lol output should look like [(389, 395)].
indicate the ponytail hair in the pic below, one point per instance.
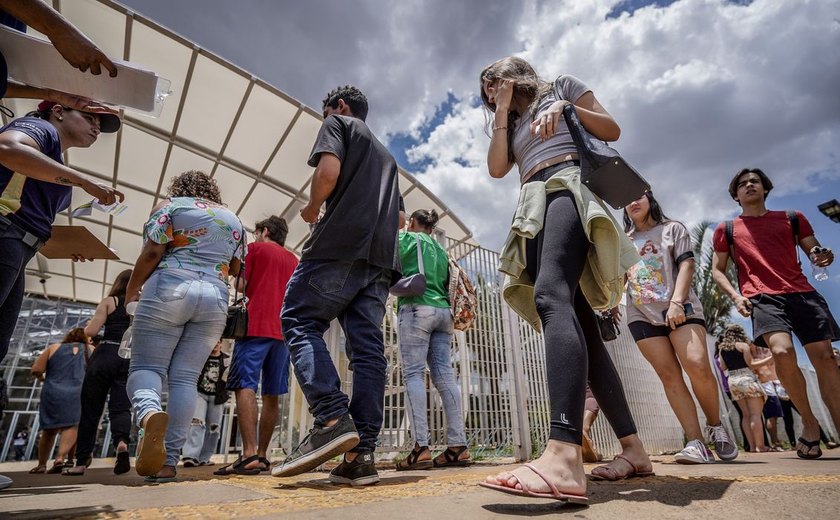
[(426, 218)]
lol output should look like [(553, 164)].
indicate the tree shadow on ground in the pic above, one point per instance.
[(672, 491), (323, 484), (68, 513)]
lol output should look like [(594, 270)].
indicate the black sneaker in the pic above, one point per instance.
[(360, 472), (319, 446)]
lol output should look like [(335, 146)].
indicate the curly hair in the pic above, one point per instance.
[(732, 334), (353, 98), (196, 184)]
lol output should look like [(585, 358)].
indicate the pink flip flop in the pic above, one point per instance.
[(525, 492), (635, 473)]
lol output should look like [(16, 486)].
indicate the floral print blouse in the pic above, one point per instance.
[(200, 236)]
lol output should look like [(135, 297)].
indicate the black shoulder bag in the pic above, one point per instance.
[(414, 285), (236, 326), (602, 169)]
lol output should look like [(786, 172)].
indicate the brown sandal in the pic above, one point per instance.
[(411, 463), (614, 475)]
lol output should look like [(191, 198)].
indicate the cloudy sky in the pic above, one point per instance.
[(700, 88)]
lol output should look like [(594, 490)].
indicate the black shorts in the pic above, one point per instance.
[(773, 407), (804, 314), (643, 330)]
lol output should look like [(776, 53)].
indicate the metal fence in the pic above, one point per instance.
[(499, 364), (501, 370)]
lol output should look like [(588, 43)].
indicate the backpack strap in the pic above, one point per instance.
[(728, 228), (730, 239), (794, 226)]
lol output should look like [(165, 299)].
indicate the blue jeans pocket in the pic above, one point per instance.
[(169, 287), (330, 276)]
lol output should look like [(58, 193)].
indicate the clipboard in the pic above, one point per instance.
[(67, 241)]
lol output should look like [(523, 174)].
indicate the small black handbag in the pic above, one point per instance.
[(414, 285), (607, 327), (236, 326), (602, 169)]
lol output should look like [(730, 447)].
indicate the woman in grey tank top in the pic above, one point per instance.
[(526, 128)]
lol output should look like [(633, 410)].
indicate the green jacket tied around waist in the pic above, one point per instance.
[(611, 254)]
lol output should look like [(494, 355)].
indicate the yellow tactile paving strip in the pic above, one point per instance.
[(313, 491)]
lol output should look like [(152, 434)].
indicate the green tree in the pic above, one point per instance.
[(717, 307)]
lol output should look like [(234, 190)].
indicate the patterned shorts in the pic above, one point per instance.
[(743, 383)]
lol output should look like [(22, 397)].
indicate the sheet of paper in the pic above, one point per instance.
[(85, 210), (36, 62)]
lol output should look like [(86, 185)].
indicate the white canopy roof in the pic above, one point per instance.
[(253, 138)]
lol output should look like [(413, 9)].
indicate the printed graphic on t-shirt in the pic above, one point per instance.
[(209, 376), (646, 279)]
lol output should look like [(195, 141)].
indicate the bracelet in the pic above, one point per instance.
[(499, 128), (678, 304)]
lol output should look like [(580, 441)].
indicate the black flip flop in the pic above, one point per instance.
[(238, 467), (267, 464), (806, 453), (123, 464)]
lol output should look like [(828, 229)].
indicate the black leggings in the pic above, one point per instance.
[(105, 378), (573, 345)]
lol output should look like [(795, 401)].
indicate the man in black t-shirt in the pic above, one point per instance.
[(346, 268)]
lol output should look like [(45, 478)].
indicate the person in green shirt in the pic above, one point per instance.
[(425, 334)]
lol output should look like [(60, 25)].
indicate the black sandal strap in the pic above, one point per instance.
[(454, 454)]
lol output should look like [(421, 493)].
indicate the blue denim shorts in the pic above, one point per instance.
[(254, 355)]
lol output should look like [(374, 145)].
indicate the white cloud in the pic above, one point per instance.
[(701, 88)]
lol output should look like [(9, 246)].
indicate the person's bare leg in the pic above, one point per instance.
[(754, 409), (689, 343), (773, 430), (246, 411), (561, 462), (66, 443), (588, 421), (745, 422), (660, 354), (828, 377), (45, 444), (790, 375), (268, 421)]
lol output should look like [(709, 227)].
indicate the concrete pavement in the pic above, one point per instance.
[(760, 486)]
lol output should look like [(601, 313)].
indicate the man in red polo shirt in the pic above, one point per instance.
[(268, 267), (778, 297)]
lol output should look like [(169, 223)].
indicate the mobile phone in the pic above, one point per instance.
[(687, 306)]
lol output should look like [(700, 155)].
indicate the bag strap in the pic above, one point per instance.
[(419, 255), (241, 266), (794, 226)]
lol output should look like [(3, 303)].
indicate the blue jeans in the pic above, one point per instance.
[(425, 337), (355, 293), (179, 319), (13, 259), (205, 430)]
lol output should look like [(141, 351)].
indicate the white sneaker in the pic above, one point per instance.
[(724, 447), (695, 452), (5, 482)]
